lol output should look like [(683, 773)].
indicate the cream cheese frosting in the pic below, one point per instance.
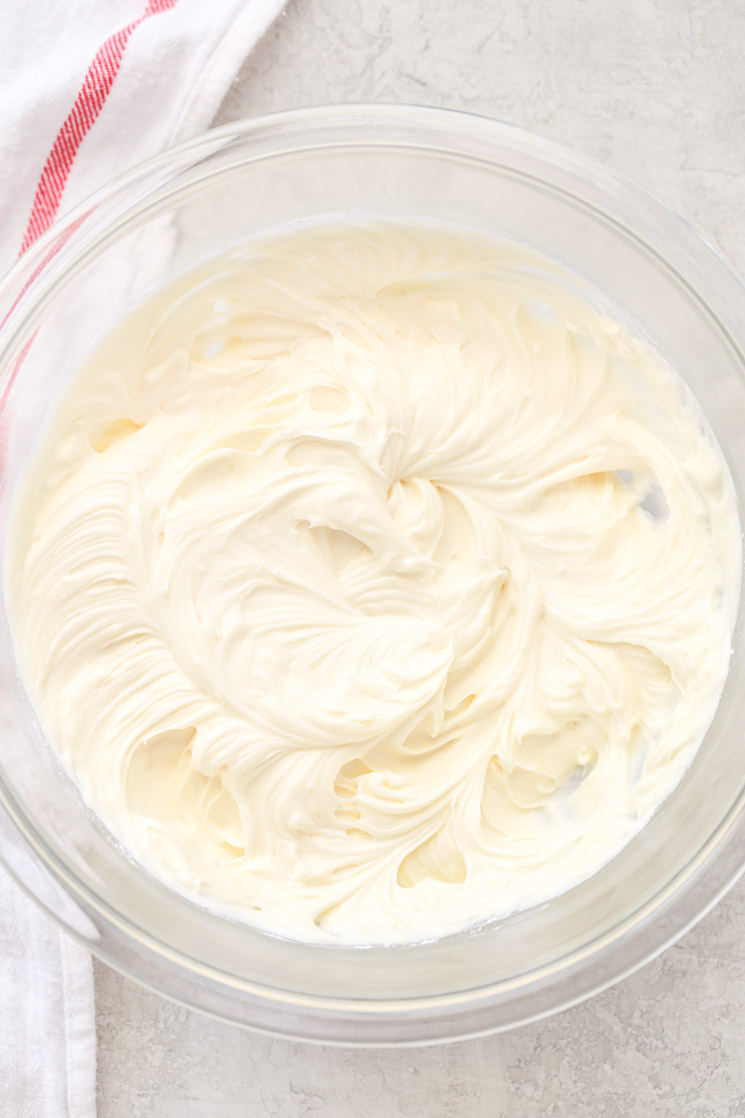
[(373, 582)]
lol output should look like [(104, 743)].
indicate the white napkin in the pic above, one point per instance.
[(47, 1021), (87, 89)]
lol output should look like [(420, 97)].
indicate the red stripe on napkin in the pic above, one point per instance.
[(88, 104)]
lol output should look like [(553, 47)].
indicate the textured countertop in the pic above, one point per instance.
[(655, 88)]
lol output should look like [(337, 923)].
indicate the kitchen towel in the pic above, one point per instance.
[(87, 89)]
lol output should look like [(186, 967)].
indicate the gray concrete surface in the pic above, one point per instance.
[(655, 88)]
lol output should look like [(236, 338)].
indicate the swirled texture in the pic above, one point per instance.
[(372, 583)]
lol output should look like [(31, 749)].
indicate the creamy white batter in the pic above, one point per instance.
[(372, 584)]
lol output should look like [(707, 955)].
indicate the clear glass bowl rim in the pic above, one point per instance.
[(639, 937)]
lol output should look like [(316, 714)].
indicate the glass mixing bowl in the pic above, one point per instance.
[(191, 203)]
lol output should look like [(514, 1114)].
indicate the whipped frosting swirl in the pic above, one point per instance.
[(372, 582)]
